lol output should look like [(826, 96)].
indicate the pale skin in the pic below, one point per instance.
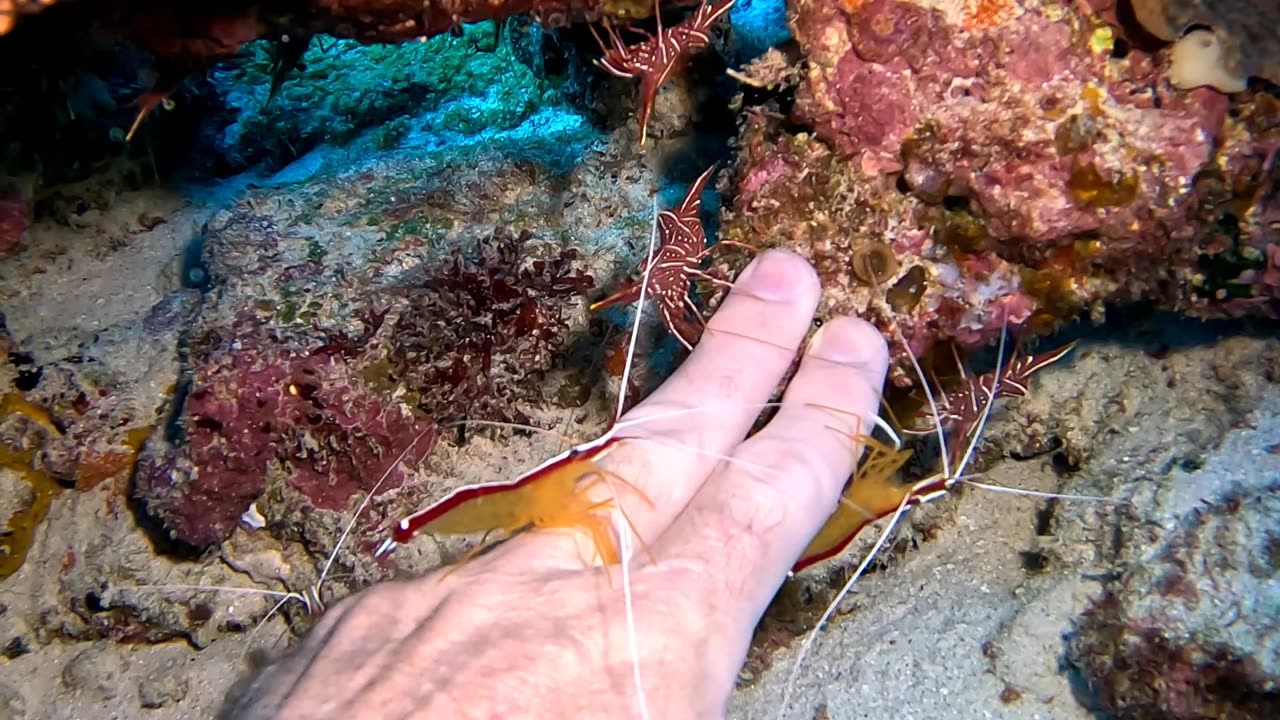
[(534, 630)]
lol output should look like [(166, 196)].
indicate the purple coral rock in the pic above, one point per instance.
[(15, 216), (888, 30), (1012, 134), (254, 407), (316, 415)]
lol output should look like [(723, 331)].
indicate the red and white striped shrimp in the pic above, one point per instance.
[(959, 421), (553, 495), (559, 493)]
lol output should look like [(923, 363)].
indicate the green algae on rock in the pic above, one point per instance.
[(446, 85)]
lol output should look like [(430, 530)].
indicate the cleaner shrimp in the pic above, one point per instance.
[(548, 495), (872, 494), (958, 423), (558, 494), (553, 495)]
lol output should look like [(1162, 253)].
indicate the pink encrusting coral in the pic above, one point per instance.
[(257, 409), (304, 406), (1022, 161)]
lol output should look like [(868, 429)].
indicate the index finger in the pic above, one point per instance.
[(666, 452)]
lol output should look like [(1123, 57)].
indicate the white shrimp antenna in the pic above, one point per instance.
[(626, 550), (907, 501), (311, 597), (368, 497), (812, 637), (635, 324), (624, 528)]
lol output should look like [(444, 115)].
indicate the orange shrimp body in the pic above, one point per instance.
[(552, 495), (872, 494)]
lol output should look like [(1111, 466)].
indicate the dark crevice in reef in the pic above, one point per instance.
[(1135, 36), (64, 113), (162, 541), (1157, 332)]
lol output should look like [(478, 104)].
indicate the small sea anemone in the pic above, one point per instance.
[(1219, 44), (905, 294), (874, 264)]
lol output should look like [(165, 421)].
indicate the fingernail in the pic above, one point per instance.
[(836, 342), (771, 277)]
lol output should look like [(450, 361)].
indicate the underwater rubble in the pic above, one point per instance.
[(951, 172), (420, 229), (1188, 630)]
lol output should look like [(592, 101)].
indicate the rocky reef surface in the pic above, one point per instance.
[(207, 372), (953, 168), (1154, 603)]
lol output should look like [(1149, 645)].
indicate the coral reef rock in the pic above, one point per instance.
[(1220, 43), (954, 168), (1160, 603), (330, 379), (442, 91), (1188, 627)]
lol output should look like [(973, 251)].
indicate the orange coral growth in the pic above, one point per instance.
[(95, 468), (874, 264), (15, 543), (985, 14), (111, 463), (1093, 189), (15, 404)]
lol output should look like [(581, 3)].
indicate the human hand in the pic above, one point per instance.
[(530, 630)]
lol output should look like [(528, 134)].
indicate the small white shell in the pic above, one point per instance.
[(253, 519), (1197, 60)]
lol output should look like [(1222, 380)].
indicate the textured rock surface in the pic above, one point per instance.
[(988, 599), (1189, 627), (947, 164), (345, 315), (967, 165), (320, 286), (15, 214), (1241, 39)]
